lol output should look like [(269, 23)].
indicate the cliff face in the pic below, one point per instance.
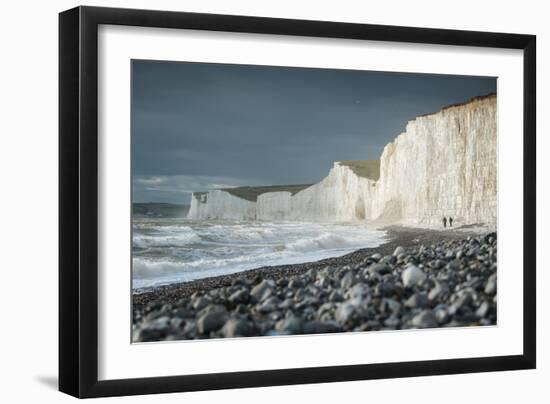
[(340, 196), (443, 165), (274, 206), (218, 204)]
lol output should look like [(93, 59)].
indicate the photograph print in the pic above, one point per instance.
[(274, 201)]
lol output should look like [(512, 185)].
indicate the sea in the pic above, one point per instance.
[(169, 250)]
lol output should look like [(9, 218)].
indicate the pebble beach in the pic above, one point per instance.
[(420, 278)]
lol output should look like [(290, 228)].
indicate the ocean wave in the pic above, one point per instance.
[(179, 240), (147, 272), (325, 241), (180, 253), (143, 267), (238, 234), (146, 268)]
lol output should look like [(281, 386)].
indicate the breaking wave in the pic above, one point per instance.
[(180, 250)]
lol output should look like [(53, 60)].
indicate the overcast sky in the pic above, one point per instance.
[(198, 126)]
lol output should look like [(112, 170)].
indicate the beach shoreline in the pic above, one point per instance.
[(151, 304), (397, 236)]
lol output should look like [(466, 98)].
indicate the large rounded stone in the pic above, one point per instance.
[(237, 327), (262, 290), (398, 251), (211, 319), (412, 275), (418, 300), (344, 312), (425, 319), (291, 325), (240, 296)]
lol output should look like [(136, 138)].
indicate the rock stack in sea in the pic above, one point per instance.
[(451, 283)]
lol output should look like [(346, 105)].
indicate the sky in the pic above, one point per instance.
[(200, 126)]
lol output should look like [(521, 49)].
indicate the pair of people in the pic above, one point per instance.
[(450, 222)]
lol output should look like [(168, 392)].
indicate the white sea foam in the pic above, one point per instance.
[(325, 241), (146, 241), (180, 250)]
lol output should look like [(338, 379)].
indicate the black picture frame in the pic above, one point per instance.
[(78, 201)]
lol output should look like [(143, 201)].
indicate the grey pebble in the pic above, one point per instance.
[(237, 327), (418, 300), (398, 251), (344, 312), (448, 283), (291, 325), (425, 319), (211, 319), (412, 275), (262, 290)]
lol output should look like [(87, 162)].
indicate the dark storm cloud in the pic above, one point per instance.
[(198, 126)]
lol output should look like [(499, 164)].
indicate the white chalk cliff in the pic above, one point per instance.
[(341, 196), (219, 204), (443, 165)]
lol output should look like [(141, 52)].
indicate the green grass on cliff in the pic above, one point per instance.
[(364, 168), (252, 193)]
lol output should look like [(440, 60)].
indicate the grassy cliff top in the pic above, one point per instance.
[(252, 193), (364, 168)]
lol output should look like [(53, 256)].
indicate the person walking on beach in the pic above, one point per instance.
[(444, 222), (450, 222)]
